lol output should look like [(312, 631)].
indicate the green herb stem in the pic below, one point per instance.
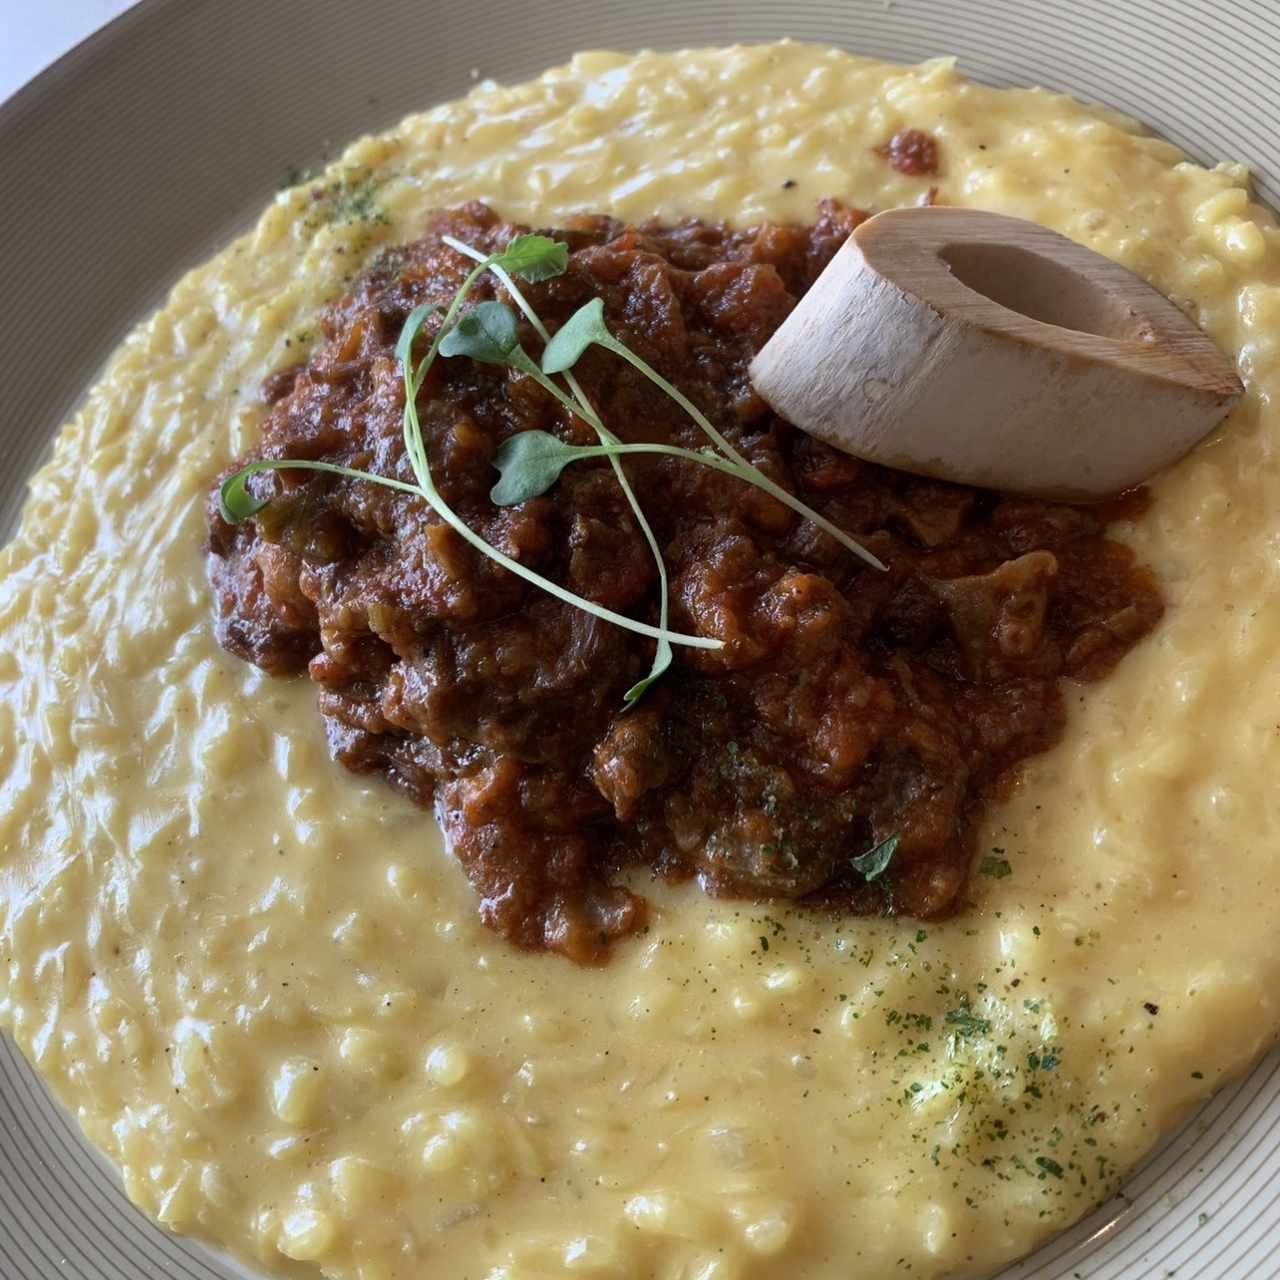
[(236, 503), (619, 349), (769, 486)]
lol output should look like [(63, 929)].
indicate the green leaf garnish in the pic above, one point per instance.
[(529, 467), (534, 258), (584, 327), (529, 463), (875, 861), (235, 502), (487, 334), (661, 661), (533, 472)]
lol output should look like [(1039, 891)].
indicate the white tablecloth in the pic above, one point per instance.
[(33, 33)]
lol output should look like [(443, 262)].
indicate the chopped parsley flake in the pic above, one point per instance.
[(874, 862), (996, 868), (966, 1023)]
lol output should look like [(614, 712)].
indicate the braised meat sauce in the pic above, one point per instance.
[(846, 707)]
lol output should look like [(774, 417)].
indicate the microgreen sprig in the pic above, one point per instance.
[(531, 461), (662, 654), (236, 503), (534, 258), (475, 334), (587, 327)]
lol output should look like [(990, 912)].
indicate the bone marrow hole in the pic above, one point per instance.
[(1041, 289)]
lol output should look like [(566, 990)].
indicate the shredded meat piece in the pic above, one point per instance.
[(846, 706), (998, 618), (913, 152)]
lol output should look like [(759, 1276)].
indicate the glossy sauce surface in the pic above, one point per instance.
[(261, 986)]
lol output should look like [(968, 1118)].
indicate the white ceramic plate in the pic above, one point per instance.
[(143, 149)]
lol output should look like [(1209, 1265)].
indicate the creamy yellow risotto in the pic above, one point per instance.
[(262, 986)]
